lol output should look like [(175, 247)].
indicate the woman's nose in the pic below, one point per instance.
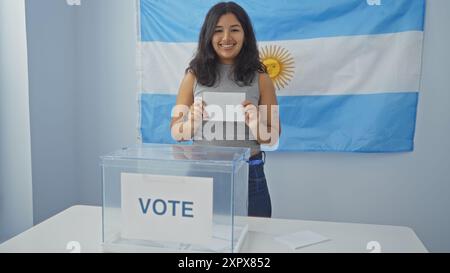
[(226, 35)]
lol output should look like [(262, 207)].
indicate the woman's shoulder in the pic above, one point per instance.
[(265, 83), (189, 77), (188, 82), (262, 68), (263, 76), (190, 74)]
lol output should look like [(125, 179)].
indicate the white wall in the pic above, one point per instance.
[(106, 104), (51, 33), (407, 189), (82, 96), (16, 207)]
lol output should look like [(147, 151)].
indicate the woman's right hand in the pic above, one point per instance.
[(196, 115)]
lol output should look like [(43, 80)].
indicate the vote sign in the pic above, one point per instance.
[(167, 208)]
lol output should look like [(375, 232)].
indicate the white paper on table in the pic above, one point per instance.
[(301, 239), (224, 106)]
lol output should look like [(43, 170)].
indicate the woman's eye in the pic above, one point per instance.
[(235, 30), (218, 30)]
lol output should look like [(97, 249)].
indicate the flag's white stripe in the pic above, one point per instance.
[(163, 65), (324, 66)]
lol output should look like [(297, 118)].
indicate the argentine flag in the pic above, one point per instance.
[(346, 72)]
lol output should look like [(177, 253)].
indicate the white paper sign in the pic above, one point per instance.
[(167, 208), (224, 106)]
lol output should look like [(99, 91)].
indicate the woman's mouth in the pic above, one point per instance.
[(227, 46)]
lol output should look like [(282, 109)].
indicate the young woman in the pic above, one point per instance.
[(227, 60)]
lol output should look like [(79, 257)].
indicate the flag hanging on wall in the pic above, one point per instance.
[(346, 73)]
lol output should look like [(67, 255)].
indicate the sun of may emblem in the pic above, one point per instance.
[(279, 63)]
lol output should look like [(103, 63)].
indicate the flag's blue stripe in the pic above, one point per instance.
[(180, 21), (356, 123), (348, 123), (155, 111)]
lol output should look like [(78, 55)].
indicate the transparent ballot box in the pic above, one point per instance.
[(175, 198)]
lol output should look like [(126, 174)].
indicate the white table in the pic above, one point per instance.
[(83, 224)]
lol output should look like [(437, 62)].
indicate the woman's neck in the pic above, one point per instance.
[(226, 61)]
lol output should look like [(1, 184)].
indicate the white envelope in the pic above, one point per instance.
[(224, 106), (301, 239)]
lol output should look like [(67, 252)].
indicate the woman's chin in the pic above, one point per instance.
[(227, 57)]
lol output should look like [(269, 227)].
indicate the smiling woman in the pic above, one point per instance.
[(227, 63)]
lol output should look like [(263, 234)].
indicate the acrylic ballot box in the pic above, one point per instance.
[(175, 198)]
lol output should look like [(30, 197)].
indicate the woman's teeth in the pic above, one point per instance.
[(227, 46)]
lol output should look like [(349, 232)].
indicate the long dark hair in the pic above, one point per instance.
[(204, 64)]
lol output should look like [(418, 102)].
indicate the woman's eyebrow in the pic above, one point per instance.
[(236, 25)]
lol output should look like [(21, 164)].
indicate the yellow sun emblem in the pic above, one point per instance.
[(279, 63)]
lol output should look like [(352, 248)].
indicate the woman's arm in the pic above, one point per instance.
[(185, 117), (264, 120)]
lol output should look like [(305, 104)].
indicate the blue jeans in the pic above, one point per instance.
[(259, 203)]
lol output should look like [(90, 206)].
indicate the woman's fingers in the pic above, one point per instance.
[(246, 102), (198, 114), (251, 113), (250, 109), (201, 106)]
